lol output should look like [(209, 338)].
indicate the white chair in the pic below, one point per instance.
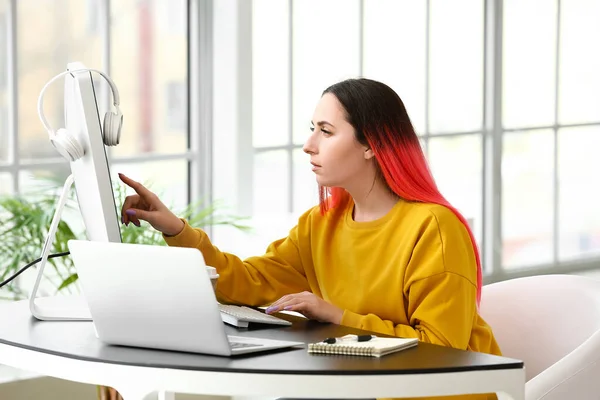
[(552, 323)]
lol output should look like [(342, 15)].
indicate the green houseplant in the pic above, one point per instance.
[(24, 223)]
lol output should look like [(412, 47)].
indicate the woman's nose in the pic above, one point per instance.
[(309, 146)]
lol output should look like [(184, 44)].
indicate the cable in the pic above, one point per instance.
[(6, 282)]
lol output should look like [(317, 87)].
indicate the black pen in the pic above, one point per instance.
[(357, 338)]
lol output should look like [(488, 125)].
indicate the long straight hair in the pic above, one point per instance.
[(381, 122)]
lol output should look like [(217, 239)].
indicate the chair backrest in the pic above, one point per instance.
[(540, 319)]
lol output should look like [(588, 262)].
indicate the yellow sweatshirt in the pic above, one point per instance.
[(411, 273)]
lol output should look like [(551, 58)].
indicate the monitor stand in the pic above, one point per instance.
[(57, 308), (60, 308)]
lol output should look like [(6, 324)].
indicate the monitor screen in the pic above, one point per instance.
[(91, 173)]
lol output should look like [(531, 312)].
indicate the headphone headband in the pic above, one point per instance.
[(110, 82)]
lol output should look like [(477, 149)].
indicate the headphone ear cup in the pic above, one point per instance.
[(67, 145), (112, 128)]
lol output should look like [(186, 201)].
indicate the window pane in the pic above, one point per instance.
[(150, 70), (424, 146), (579, 93), (6, 184), (325, 51), (306, 190), (168, 179), (4, 60), (270, 73), (43, 181), (456, 163), (527, 193), (403, 24), (59, 37), (48, 183), (456, 66), (271, 182), (174, 17), (4, 133), (579, 190), (3, 45), (529, 63)]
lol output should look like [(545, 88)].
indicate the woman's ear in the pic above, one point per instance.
[(369, 153)]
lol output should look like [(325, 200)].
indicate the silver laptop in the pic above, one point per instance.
[(156, 297)]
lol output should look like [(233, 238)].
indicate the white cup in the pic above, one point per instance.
[(212, 274)]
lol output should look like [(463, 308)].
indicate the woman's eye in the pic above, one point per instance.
[(324, 131)]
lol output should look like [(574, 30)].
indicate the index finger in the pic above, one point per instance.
[(138, 187)]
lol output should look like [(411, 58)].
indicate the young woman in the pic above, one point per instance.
[(384, 251)]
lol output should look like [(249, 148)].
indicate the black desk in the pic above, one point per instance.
[(70, 350)]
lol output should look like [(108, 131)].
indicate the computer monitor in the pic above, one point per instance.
[(93, 186), (91, 173)]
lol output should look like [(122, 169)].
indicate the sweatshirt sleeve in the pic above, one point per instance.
[(255, 281), (439, 290)]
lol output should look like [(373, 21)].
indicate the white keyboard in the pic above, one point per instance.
[(241, 316)]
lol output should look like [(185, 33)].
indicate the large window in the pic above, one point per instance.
[(509, 115), (490, 97)]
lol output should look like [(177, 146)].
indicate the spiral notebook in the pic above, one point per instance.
[(376, 347)]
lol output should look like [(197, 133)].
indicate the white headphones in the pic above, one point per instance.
[(66, 142)]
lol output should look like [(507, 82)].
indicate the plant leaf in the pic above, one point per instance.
[(70, 280)]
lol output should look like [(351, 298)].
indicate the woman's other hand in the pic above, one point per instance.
[(310, 305)]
